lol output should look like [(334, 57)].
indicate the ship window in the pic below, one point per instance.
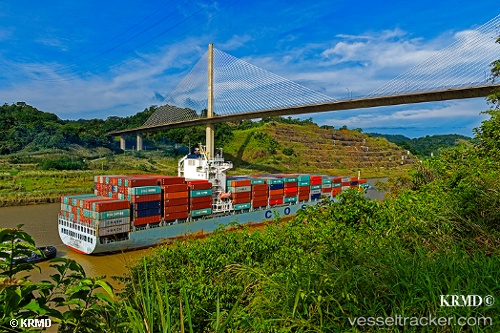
[(191, 162)]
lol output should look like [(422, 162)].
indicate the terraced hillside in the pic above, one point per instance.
[(308, 148)]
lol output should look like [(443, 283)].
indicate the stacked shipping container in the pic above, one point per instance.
[(200, 197), (175, 199), (109, 216), (304, 187)]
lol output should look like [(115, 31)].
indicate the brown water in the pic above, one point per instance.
[(40, 221)]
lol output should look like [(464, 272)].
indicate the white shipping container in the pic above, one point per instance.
[(112, 222), (117, 229), (240, 189)]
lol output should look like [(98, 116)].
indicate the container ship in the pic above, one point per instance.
[(137, 211)]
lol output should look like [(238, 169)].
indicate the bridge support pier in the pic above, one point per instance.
[(122, 142), (139, 141)]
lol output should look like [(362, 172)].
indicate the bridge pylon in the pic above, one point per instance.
[(210, 149)]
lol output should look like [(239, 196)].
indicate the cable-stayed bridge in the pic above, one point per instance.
[(223, 88)]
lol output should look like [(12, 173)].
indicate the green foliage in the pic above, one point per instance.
[(330, 263), (62, 163), (488, 135), (426, 145), (71, 299), (288, 151)]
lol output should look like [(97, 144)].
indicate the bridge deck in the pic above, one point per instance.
[(420, 97)]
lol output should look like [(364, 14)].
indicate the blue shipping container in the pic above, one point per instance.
[(147, 205)]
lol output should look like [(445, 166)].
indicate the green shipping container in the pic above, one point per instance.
[(112, 214), (290, 199), (315, 187), (242, 206), (274, 181), (304, 178), (258, 181), (201, 212), (142, 190), (72, 199), (290, 179), (304, 183), (200, 193)]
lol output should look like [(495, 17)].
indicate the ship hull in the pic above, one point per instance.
[(84, 239)]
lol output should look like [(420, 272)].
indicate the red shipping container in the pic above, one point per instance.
[(145, 198), (316, 182), (259, 203), (242, 195), (176, 216), (346, 183), (260, 193), (200, 205), (241, 200), (147, 220), (110, 205), (290, 195), (303, 197), (196, 181), (87, 203), (240, 182), (326, 190), (291, 184), (140, 181), (276, 192), (200, 186), (260, 187), (291, 189), (275, 201), (353, 179), (203, 199), (260, 197), (362, 181), (170, 180), (175, 202), (275, 197), (176, 195), (336, 179), (175, 209), (175, 188)]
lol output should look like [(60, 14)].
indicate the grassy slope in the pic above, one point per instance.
[(313, 150), (331, 264)]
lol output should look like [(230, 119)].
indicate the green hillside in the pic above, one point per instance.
[(283, 147), (424, 146)]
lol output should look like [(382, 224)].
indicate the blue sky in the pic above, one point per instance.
[(87, 59)]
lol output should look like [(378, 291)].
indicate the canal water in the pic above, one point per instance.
[(40, 221)]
